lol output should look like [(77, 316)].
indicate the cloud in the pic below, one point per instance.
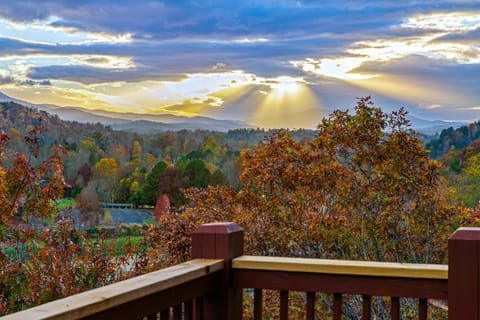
[(347, 66), (189, 53)]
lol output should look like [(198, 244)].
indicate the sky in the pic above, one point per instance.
[(280, 63)]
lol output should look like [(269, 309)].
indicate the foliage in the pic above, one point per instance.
[(454, 139), (149, 191), (27, 187), (39, 264), (363, 188), (90, 208), (161, 207)]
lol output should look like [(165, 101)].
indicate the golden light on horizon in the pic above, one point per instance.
[(288, 103)]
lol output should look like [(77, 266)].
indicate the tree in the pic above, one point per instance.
[(161, 207), (43, 264), (171, 182), (150, 193), (197, 173), (107, 170), (90, 208), (84, 175), (468, 181), (363, 188), (27, 187)]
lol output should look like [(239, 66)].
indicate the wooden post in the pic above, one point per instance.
[(464, 274), (220, 241)]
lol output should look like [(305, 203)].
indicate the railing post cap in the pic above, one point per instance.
[(464, 233), (218, 227)]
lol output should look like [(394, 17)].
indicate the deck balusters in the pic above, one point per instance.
[(422, 309), (337, 306), (188, 310), (283, 305), (366, 310), (310, 312), (257, 304), (395, 308)]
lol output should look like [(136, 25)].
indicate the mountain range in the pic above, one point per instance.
[(148, 123)]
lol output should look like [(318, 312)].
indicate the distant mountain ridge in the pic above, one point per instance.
[(140, 123), (147, 123)]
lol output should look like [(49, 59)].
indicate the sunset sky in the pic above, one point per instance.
[(271, 63)]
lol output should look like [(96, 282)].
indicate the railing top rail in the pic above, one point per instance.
[(103, 298), (342, 267)]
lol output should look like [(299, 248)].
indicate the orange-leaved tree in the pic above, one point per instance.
[(364, 188), (39, 263)]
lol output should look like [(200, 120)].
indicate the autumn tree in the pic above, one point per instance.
[(171, 182), (84, 175), (27, 186), (467, 182), (161, 207), (107, 171), (43, 264), (149, 193), (90, 208), (363, 188)]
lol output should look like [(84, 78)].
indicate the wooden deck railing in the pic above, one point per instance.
[(338, 277), (210, 286)]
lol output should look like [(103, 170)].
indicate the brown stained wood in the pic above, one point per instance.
[(310, 312), (367, 307), (257, 304), (220, 241), (153, 317), (121, 293), (161, 300), (177, 312), (347, 267), (395, 308), (422, 309), (198, 308), (283, 305), (188, 310), (165, 314), (463, 273), (337, 306), (326, 283)]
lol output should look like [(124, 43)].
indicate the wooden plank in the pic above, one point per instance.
[(363, 268), (177, 312), (120, 293), (367, 307), (257, 304), (188, 310), (422, 309), (165, 314), (284, 305), (198, 308), (395, 308), (464, 271), (310, 312), (206, 285), (337, 306), (333, 283)]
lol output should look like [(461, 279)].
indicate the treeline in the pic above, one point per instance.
[(458, 150), (124, 166), (453, 139)]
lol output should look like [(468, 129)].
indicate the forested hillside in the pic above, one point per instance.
[(124, 166), (453, 139)]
